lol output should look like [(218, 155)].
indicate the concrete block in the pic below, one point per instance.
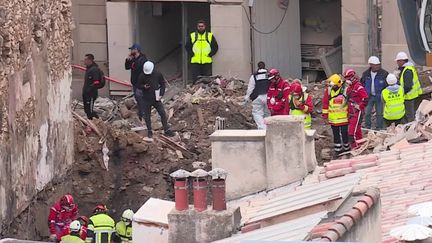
[(242, 153), (285, 150), (311, 161), (201, 227), (87, 14)]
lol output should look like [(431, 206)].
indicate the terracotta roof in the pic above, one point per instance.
[(334, 230), (402, 175)]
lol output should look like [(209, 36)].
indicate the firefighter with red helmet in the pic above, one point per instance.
[(277, 93), (300, 103), (62, 213), (101, 227), (357, 101)]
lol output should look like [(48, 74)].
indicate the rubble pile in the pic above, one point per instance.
[(138, 170)]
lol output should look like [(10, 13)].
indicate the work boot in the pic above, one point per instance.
[(169, 133), (149, 137)]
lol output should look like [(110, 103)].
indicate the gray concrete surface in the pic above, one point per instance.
[(310, 158), (202, 227), (242, 153), (285, 150)]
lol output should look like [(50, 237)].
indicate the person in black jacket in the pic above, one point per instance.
[(92, 78), (135, 62), (201, 46), (374, 81), (150, 88)]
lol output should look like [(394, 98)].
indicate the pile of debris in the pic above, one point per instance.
[(136, 167)]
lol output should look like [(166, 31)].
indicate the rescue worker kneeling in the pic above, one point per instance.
[(74, 235), (124, 227), (393, 98), (300, 104), (101, 226), (335, 112)]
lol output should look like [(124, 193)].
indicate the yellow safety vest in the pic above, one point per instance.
[(124, 231), (416, 88), (103, 227), (71, 239), (201, 47), (298, 112), (338, 106), (394, 108)]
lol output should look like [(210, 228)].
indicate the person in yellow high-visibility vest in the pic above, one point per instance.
[(201, 46), (409, 80), (335, 112), (101, 226), (124, 226), (393, 99), (300, 103)]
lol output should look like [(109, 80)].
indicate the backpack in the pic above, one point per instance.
[(102, 80)]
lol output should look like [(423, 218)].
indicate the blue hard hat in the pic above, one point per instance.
[(135, 46)]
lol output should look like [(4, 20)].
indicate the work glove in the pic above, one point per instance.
[(272, 100), (53, 237)]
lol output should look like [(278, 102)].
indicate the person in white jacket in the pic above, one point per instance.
[(257, 93)]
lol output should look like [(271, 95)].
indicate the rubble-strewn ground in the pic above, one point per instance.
[(138, 170)]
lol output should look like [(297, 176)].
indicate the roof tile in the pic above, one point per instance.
[(354, 214), (335, 166), (339, 229), (346, 221), (339, 172), (368, 200), (251, 227), (331, 236), (362, 207), (360, 166)]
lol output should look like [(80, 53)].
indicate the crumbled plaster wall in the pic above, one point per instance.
[(36, 129)]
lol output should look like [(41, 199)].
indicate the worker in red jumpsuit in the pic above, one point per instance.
[(357, 101), (277, 94), (62, 213), (83, 231)]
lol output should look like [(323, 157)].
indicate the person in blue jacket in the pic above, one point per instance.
[(374, 81)]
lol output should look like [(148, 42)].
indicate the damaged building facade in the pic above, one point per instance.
[(298, 37), (36, 127)]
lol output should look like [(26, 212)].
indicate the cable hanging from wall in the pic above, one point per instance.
[(283, 4)]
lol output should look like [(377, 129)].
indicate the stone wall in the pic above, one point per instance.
[(36, 129)]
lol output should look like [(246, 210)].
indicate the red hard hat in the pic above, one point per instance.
[(84, 219), (274, 72), (296, 88), (349, 74), (100, 207), (67, 200)]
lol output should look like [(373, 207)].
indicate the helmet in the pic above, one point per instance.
[(127, 215), (297, 88), (374, 60), (148, 67), (391, 79), (83, 219), (335, 80), (75, 226), (349, 74), (401, 56), (100, 208), (67, 201), (274, 72)]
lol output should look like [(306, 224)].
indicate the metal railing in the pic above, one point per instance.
[(81, 68)]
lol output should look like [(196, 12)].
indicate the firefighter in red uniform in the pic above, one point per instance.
[(62, 213), (277, 94), (357, 101)]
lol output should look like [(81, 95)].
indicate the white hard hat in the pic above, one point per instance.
[(401, 56), (128, 214), (75, 226), (374, 60), (148, 67), (391, 79)]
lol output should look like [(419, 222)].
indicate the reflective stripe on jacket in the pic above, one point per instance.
[(100, 228), (338, 106), (394, 108), (201, 47), (416, 88), (71, 239), (124, 231)]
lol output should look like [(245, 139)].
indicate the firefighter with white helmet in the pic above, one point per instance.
[(74, 235), (124, 226)]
